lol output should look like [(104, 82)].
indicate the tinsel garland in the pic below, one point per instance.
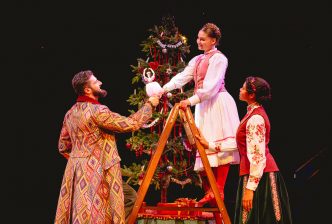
[(154, 122), (178, 44), (166, 217), (181, 182)]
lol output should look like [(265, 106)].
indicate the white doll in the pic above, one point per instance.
[(152, 88)]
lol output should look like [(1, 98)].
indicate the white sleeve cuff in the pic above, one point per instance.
[(194, 100), (212, 146), (169, 87), (252, 185)]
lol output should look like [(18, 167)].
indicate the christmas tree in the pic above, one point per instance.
[(165, 50)]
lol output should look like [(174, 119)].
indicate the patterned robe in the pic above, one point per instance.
[(91, 189)]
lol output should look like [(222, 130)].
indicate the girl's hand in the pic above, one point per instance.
[(202, 140), (184, 104), (200, 137), (247, 198)]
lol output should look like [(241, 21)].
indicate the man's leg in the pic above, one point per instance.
[(130, 197)]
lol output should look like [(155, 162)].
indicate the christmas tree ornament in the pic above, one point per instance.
[(152, 88), (169, 168), (154, 122), (181, 182), (169, 71), (184, 39), (148, 75)]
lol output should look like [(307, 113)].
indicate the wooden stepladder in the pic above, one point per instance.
[(188, 122)]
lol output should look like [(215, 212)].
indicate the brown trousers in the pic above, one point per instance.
[(130, 196)]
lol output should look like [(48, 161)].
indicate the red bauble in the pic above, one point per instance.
[(154, 65)]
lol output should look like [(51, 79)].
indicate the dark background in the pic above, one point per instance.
[(46, 43)]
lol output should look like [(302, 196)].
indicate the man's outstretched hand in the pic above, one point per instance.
[(154, 100)]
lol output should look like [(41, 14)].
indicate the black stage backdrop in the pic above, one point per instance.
[(47, 43)]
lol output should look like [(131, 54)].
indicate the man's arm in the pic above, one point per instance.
[(64, 143), (115, 122)]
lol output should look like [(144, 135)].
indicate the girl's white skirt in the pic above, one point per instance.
[(218, 120)]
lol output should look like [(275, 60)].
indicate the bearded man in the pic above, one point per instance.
[(91, 189)]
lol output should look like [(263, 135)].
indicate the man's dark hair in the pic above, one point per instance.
[(80, 80)]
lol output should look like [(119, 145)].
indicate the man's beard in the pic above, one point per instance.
[(99, 93)]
